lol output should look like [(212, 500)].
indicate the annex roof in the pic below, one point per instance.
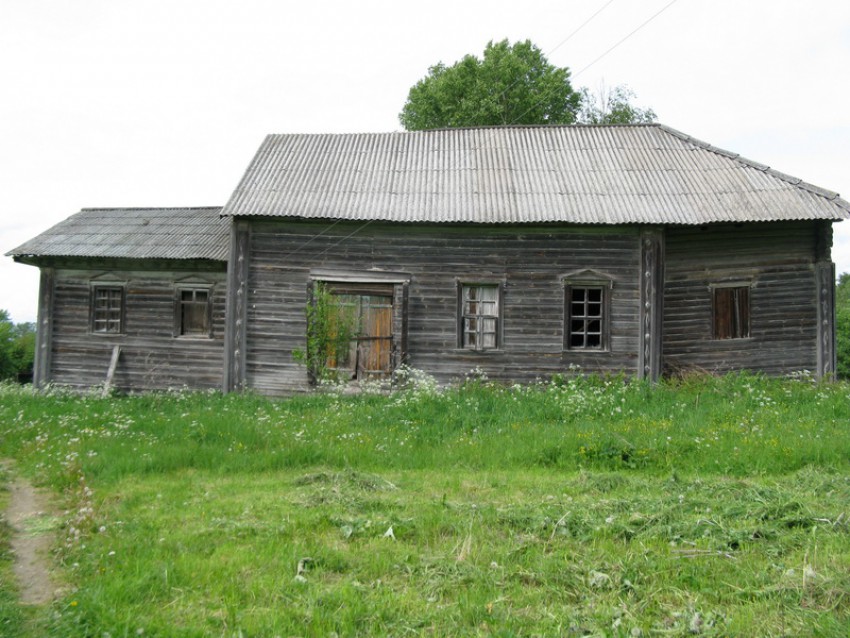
[(646, 174), (134, 233)]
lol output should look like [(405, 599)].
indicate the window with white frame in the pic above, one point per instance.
[(480, 316)]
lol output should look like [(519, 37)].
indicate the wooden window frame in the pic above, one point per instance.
[(604, 334), (463, 317), (109, 321), (358, 291), (179, 306), (738, 325)]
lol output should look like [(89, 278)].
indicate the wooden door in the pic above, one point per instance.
[(370, 353), (375, 341)]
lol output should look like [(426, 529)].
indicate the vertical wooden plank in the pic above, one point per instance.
[(235, 341), (110, 373), (651, 302), (825, 281), (401, 294), (44, 329)]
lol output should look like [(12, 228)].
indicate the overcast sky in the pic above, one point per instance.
[(164, 102)]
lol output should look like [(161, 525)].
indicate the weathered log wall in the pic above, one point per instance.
[(151, 358), (778, 261), (528, 262)]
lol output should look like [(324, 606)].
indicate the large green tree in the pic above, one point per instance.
[(511, 84)]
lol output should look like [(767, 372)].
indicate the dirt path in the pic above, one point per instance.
[(33, 533)]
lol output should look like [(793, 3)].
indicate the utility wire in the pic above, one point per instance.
[(579, 28), (662, 10), (519, 117), (563, 42), (641, 26), (316, 236), (351, 234)]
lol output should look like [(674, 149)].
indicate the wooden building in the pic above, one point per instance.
[(133, 297), (521, 251)]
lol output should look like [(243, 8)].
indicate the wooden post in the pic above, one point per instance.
[(651, 303), (825, 281), (44, 329), (235, 340)]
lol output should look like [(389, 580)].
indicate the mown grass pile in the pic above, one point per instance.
[(580, 506)]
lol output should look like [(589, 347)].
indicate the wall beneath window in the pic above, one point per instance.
[(530, 261), (151, 357), (778, 259)]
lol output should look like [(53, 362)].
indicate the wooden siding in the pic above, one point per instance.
[(151, 358), (529, 262), (777, 261)]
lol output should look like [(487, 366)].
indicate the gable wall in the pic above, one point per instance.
[(151, 357), (779, 259), (530, 261)]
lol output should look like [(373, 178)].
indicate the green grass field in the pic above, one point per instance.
[(576, 507)]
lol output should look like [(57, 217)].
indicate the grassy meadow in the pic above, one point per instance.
[(576, 507)]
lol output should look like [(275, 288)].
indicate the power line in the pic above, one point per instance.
[(351, 234), (579, 28), (641, 26), (316, 236), (663, 9), (560, 44)]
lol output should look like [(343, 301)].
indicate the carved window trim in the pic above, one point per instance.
[(587, 310), (193, 311), (107, 309)]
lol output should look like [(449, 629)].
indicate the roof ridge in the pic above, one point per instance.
[(477, 128), (104, 208)]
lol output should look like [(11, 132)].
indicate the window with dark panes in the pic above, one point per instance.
[(732, 312), (107, 309), (480, 316), (586, 317), (194, 312)]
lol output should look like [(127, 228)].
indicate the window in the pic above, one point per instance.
[(586, 317), (731, 312), (193, 312), (479, 324), (107, 310)]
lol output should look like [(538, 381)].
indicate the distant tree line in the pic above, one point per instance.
[(17, 349), (842, 325)]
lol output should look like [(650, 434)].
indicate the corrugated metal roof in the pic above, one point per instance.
[(648, 174), (135, 233)]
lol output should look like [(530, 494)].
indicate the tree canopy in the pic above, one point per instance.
[(17, 348), (510, 84), (612, 106)]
